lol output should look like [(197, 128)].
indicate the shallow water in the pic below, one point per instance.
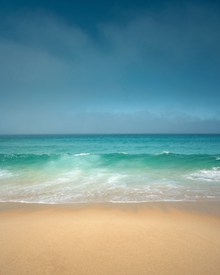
[(109, 168)]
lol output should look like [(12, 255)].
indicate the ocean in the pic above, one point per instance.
[(55, 169)]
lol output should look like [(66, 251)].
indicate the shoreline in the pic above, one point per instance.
[(203, 207), (144, 238)]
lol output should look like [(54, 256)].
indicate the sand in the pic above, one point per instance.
[(152, 238)]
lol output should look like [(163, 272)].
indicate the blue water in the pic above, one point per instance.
[(109, 168)]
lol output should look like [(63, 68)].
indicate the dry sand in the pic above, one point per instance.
[(152, 238)]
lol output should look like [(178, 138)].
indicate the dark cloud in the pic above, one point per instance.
[(58, 77)]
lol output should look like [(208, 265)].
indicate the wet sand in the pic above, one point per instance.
[(149, 238)]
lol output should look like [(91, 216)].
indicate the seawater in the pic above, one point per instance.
[(109, 168)]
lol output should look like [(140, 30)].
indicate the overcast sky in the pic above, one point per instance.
[(109, 67)]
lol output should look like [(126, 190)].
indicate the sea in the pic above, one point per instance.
[(57, 169)]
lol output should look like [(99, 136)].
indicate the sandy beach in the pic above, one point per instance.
[(149, 238)]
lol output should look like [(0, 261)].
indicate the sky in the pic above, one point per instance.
[(109, 66)]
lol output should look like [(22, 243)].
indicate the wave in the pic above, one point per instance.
[(5, 174), (164, 159), (164, 153), (116, 169), (107, 188), (81, 154), (212, 175), (114, 177)]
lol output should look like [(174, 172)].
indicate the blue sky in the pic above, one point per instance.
[(109, 67)]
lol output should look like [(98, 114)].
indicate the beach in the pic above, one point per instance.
[(144, 238), (110, 204)]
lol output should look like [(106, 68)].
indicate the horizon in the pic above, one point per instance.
[(114, 134)]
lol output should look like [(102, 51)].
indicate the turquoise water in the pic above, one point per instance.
[(109, 168)]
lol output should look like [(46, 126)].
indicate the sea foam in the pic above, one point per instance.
[(212, 175), (128, 168), (82, 154), (4, 174)]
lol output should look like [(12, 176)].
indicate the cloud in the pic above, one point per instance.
[(52, 69), (109, 122), (178, 34), (144, 122)]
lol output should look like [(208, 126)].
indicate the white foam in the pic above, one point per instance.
[(116, 179), (82, 154), (163, 153), (218, 158), (212, 175), (5, 174), (103, 185)]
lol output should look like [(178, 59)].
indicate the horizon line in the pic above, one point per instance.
[(85, 134)]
